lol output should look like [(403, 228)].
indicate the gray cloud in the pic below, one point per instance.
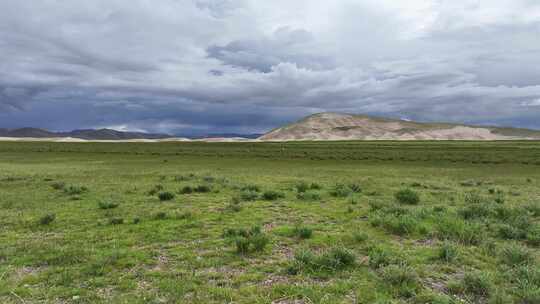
[(246, 66)]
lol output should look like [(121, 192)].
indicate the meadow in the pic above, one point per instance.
[(300, 222)]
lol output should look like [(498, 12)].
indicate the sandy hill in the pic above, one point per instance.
[(336, 126)]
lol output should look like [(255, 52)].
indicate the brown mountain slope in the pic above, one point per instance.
[(335, 126)]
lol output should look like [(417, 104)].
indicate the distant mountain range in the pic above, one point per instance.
[(88, 134), (109, 134), (338, 126)]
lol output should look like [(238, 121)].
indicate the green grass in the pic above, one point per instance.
[(315, 222)]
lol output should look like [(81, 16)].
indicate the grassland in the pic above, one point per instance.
[(340, 222)]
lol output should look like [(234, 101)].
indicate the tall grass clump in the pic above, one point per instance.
[(456, 229), (106, 204), (477, 284), (75, 190), (516, 255), (402, 277), (334, 259), (447, 252), (407, 197), (247, 241), (340, 190)]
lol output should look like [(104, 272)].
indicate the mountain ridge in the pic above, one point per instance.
[(342, 126)]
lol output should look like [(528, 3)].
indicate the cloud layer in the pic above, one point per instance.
[(203, 66)]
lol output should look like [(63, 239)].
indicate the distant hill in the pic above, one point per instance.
[(336, 126), (90, 134)]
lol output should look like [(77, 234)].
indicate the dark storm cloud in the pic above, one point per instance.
[(206, 66)]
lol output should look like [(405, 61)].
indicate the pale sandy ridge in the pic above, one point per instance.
[(335, 126)]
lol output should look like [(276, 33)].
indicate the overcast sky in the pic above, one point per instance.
[(202, 66)]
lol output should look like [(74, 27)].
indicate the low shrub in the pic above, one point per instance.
[(303, 232), (186, 190), (136, 220), (360, 237), (47, 219), (202, 189), (165, 196), (75, 190), (249, 195), (407, 196), (247, 241), (301, 187), (271, 195), (105, 204), (340, 190)]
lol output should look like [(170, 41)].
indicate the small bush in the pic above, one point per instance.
[(247, 241), (272, 195), (259, 242), (75, 190), (407, 196), (515, 255), (165, 196), (58, 185), (249, 195), (340, 190), (447, 252), (303, 232), (116, 221), (234, 207), (360, 237), (308, 196), (186, 190), (202, 189), (242, 245), (47, 219), (107, 205), (315, 186), (136, 220)]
